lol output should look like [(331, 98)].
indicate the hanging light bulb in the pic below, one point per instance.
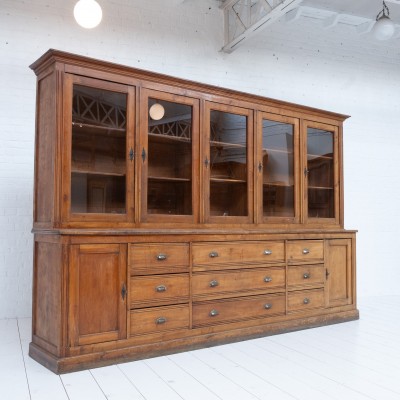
[(88, 13), (384, 27)]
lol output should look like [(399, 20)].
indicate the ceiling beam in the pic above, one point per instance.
[(245, 18)]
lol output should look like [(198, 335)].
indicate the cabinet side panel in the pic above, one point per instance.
[(47, 294), (45, 149)]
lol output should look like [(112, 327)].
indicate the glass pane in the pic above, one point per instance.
[(228, 164), (320, 173), (169, 189), (98, 181), (278, 169)]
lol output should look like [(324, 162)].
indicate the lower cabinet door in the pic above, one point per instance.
[(98, 293), (339, 272)]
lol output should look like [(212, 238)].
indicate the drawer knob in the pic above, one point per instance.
[(161, 320), (161, 257), (306, 275), (267, 252), (214, 313), (267, 279), (268, 306), (306, 300), (214, 283), (213, 254), (306, 251), (161, 288)]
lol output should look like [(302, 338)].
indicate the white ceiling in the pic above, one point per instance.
[(360, 14)]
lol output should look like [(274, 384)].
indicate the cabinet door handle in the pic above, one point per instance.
[(306, 251), (306, 300), (144, 155), (131, 154), (327, 273), (161, 320), (213, 254), (268, 306), (267, 252), (306, 275), (123, 291), (214, 283), (260, 166), (206, 162), (161, 257), (306, 171), (214, 313), (161, 288), (267, 279)]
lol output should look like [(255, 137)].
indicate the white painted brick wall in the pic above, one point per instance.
[(331, 69)]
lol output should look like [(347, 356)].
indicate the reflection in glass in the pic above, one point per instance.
[(320, 173), (278, 169), (98, 180), (169, 189), (228, 164)]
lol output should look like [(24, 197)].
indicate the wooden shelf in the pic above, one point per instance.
[(98, 129), (312, 157), (320, 187), (268, 151), (277, 184), (168, 139), (91, 172), (168, 179), (225, 145), (227, 180)]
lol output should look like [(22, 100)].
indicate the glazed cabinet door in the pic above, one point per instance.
[(228, 164), (340, 272), (98, 293), (169, 154), (98, 153), (277, 164), (321, 173)]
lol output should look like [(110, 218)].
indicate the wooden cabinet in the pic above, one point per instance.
[(170, 215)]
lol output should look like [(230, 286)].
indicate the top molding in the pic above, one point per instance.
[(56, 56)]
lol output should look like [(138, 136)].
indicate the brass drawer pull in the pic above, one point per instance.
[(214, 283), (161, 257), (307, 275), (161, 288), (161, 320), (213, 254), (214, 313), (306, 251), (306, 300), (267, 279), (267, 252), (268, 306)]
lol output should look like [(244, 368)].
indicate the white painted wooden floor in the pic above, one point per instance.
[(357, 360)]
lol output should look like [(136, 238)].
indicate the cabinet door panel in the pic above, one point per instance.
[(169, 157), (228, 161), (278, 168), (97, 289), (321, 173), (339, 265), (99, 150)]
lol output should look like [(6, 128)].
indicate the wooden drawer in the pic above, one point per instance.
[(158, 258), (218, 284), (305, 250), (237, 253), (158, 290), (299, 275), (159, 319), (238, 309), (302, 300)]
